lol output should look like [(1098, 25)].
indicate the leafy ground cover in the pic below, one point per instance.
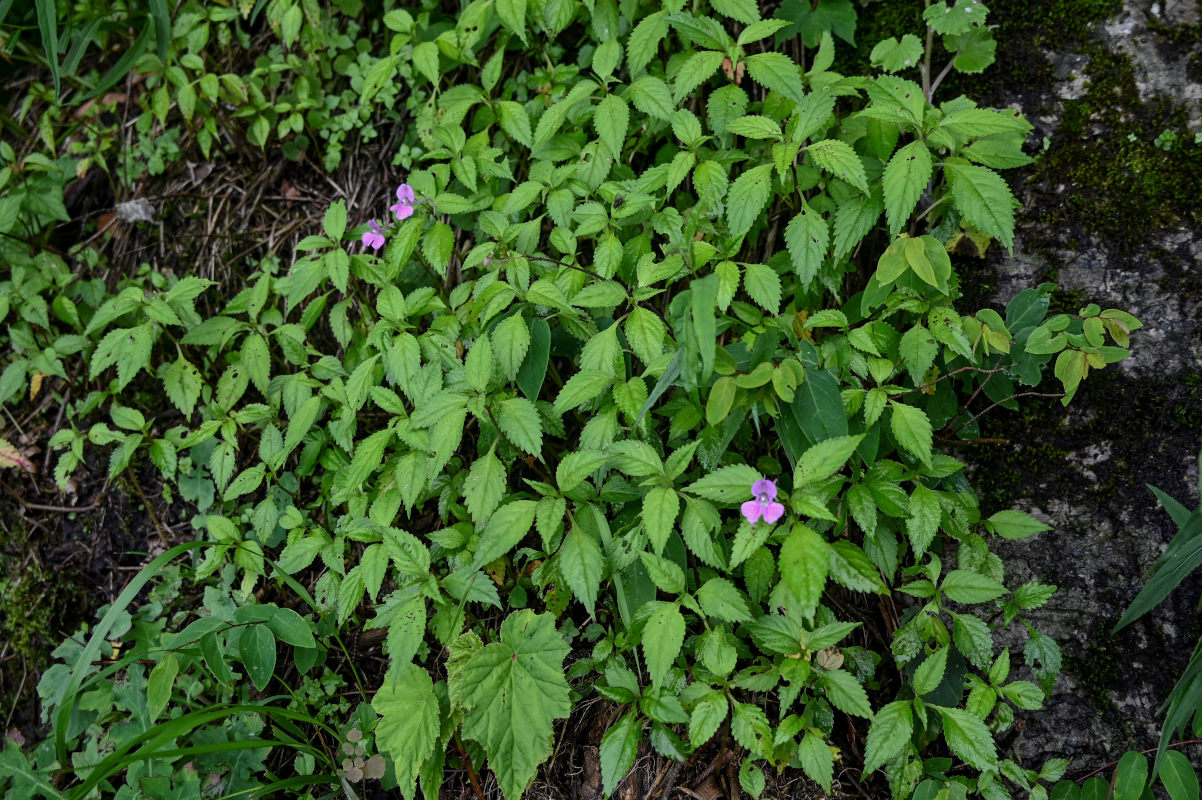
[(514, 379)]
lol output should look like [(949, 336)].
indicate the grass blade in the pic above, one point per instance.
[(48, 25)]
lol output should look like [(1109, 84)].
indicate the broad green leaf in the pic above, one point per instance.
[(610, 120), (954, 20), (663, 637), (929, 674), (515, 121), (409, 721), (984, 199), (824, 459), (128, 348), (846, 693), (335, 220), (257, 648), (652, 96), (804, 564), (581, 564), (519, 421), (969, 738), (905, 178), (575, 467), (1130, 776), (645, 332), (815, 756), (696, 71), (918, 348), (808, 238), (580, 388), (1011, 524), (748, 197), (763, 286), (728, 484), (965, 586), (513, 691), (889, 733), (160, 684), (744, 11), (533, 371), (477, 367), (510, 343), (660, 507), (777, 72), (1178, 776), (893, 55), (975, 50), (183, 383), (506, 527), (644, 40), (851, 567), (837, 158), (854, 218), (923, 522), (748, 539), (665, 573), (755, 126), (912, 429), (720, 599), (707, 716), (512, 14), (619, 748), (484, 487)]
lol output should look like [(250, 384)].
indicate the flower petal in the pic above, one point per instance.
[(773, 512), (764, 488), (752, 510), (403, 210), (405, 194)]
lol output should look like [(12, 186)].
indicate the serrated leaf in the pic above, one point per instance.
[(918, 349), (513, 691), (845, 693), (807, 237), (923, 522), (652, 96), (334, 222), (506, 527), (824, 459), (747, 198), (645, 332), (804, 564), (755, 126), (855, 217), (660, 507), (911, 428), (580, 388), (965, 15), (728, 484), (521, 424), (984, 199), (619, 748), (409, 721), (610, 120), (663, 637), (581, 564), (182, 383), (968, 737), (815, 756), (644, 41), (707, 716), (837, 158), (894, 55), (929, 674), (510, 343), (1011, 524), (777, 72), (889, 733), (905, 179), (966, 586), (763, 286), (515, 120), (696, 71), (720, 599), (744, 11), (512, 14), (484, 487)]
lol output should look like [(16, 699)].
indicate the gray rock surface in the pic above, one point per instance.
[(1083, 469)]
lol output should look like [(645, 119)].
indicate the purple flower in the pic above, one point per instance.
[(404, 204), (373, 238), (764, 505)]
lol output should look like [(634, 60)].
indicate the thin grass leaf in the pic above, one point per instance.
[(80, 46), (1171, 573), (162, 26), (48, 25), (123, 65)]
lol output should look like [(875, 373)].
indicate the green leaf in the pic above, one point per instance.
[(837, 158), (969, 738), (965, 586), (160, 684), (257, 647), (946, 20), (918, 348), (409, 721), (247, 481), (665, 573), (912, 429), (975, 50), (845, 693), (477, 367), (720, 599), (824, 459), (644, 41), (183, 383), (506, 527), (581, 564), (905, 179), (663, 637), (652, 96), (804, 564), (892, 55), (923, 522), (1011, 524), (515, 121), (815, 756), (707, 716), (929, 674), (851, 567), (777, 72), (728, 484), (580, 388), (619, 748), (128, 348), (512, 14), (1178, 776), (510, 343), (763, 286), (520, 422), (755, 126), (484, 487), (744, 11), (855, 217), (808, 238), (984, 199), (575, 467), (534, 368), (696, 71), (645, 332), (513, 691), (747, 198), (660, 507), (611, 119), (889, 733), (335, 220)]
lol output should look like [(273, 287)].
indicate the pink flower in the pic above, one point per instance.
[(764, 505), (404, 204), (373, 238)]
